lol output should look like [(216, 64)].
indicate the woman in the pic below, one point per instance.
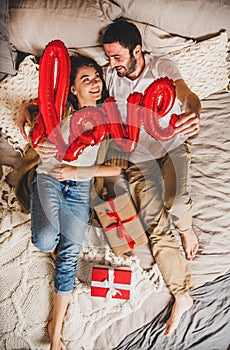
[(60, 195)]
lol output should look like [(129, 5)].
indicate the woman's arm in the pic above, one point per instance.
[(68, 172), (25, 117)]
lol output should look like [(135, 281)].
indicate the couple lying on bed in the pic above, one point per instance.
[(157, 174)]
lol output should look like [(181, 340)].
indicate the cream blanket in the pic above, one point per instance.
[(26, 279), (27, 282)]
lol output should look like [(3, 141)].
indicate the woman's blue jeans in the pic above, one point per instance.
[(59, 216)]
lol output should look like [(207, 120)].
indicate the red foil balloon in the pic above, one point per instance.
[(158, 100), (87, 128), (134, 118), (54, 72), (90, 125), (127, 136)]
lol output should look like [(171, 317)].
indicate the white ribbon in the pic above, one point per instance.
[(109, 283)]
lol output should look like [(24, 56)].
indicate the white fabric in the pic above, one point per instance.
[(204, 65), (27, 285), (94, 323), (27, 274), (155, 67), (15, 91)]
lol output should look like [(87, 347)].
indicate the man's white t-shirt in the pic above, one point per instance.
[(121, 87)]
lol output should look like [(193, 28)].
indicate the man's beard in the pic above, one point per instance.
[(130, 69)]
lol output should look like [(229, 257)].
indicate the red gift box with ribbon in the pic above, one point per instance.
[(108, 282), (121, 224)]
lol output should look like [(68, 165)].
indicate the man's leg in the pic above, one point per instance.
[(177, 201), (146, 188)]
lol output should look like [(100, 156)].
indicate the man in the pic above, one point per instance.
[(155, 168), (158, 167)]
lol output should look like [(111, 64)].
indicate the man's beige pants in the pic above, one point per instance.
[(160, 190)]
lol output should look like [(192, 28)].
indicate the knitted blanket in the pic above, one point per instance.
[(26, 285)]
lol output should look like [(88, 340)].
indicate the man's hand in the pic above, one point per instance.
[(46, 150), (188, 124)]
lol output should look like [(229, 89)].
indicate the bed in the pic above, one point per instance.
[(196, 35)]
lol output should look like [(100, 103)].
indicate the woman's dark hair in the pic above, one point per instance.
[(82, 61), (126, 33)]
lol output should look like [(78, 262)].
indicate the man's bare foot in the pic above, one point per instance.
[(182, 303), (55, 342), (190, 243)]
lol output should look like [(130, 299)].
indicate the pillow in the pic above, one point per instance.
[(6, 53), (204, 65), (153, 39), (77, 23), (159, 41), (185, 17)]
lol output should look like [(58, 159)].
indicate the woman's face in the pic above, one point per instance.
[(87, 86)]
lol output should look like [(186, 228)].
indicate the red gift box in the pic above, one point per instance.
[(108, 282)]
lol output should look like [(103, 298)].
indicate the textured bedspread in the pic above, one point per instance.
[(206, 327), (26, 278)]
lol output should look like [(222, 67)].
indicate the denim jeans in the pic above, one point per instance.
[(59, 216)]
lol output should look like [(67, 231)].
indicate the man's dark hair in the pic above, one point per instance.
[(126, 33)]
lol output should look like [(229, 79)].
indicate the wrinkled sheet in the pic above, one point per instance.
[(206, 326), (210, 190), (27, 274)]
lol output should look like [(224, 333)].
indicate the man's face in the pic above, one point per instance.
[(119, 59)]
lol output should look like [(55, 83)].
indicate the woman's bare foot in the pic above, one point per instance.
[(183, 302), (55, 342), (53, 255), (190, 243)]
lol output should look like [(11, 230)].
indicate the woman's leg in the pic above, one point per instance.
[(60, 305), (44, 208), (74, 216)]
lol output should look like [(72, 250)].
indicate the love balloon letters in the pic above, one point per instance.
[(91, 125)]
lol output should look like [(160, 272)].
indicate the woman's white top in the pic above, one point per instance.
[(86, 159)]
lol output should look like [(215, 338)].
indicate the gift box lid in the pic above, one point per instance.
[(110, 282)]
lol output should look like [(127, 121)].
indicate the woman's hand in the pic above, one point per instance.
[(64, 172), (46, 150), (67, 172), (25, 117)]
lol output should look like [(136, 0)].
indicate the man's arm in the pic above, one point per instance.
[(188, 123)]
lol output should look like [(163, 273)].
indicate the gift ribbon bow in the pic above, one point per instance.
[(122, 232), (109, 283)]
